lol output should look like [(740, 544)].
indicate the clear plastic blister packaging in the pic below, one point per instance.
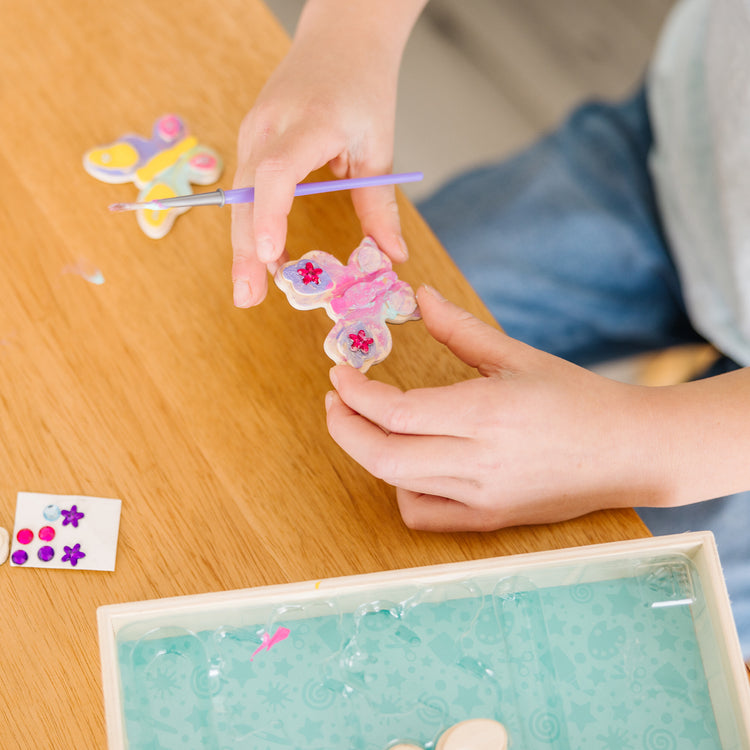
[(615, 646)]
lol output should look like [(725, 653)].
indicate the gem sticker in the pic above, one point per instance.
[(19, 557), (65, 531), (47, 533), (72, 516), (52, 512), (25, 536)]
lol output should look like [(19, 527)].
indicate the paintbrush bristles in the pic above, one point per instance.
[(118, 207)]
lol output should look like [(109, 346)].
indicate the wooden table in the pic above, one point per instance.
[(205, 420)]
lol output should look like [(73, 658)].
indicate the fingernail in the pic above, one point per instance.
[(242, 294), (264, 249), (334, 377), (329, 400), (433, 292)]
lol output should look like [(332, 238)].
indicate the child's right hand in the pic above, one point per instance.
[(535, 440), (331, 101)]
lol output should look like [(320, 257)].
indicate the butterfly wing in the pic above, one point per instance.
[(310, 281), (121, 160), (369, 258), (361, 342), (203, 166), (400, 303), (118, 161), (200, 165)]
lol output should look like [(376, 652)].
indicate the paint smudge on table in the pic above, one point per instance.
[(86, 270)]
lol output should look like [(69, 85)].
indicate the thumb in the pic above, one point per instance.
[(476, 343)]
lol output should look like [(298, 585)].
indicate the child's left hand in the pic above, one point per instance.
[(536, 440)]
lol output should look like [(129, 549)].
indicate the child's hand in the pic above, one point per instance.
[(535, 440), (331, 101)]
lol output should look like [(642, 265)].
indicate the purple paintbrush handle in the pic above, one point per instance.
[(247, 195), (239, 195)]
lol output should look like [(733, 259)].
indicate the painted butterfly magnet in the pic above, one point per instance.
[(162, 166), (361, 297)]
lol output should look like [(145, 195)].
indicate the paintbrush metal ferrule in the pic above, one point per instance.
[(215, 198)]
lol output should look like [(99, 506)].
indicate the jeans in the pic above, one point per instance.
[(564, 245)]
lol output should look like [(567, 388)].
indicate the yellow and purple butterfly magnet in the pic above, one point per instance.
[(162, 166), (361, 297)]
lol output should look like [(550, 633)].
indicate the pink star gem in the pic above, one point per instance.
[(310, 274), (360, 341)]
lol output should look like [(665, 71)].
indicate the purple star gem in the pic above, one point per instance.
[(72, 516), (73, 554)]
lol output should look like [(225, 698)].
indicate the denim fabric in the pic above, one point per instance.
[(563, 242), (564, 245)]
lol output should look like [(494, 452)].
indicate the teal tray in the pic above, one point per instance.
[(615, 647)]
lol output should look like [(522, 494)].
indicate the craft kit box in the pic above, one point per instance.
[(615, 646)]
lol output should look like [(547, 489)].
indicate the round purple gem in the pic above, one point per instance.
[(46, 553), (19, 557)]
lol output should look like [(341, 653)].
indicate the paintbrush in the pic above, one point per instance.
[(247, 195)]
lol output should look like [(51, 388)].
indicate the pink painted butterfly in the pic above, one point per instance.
[(361, 297), (162, 166)]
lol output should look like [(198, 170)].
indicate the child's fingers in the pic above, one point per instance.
[(422, 411), (248, 275), (426, 512), (292, 157), (470, 339), (396, 459)]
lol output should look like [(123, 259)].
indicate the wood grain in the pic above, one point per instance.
[(206, 421)]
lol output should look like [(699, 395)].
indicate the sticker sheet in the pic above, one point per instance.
[(65, 531)]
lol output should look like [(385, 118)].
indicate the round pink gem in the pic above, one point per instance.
[(25, 536), (46, 533)]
